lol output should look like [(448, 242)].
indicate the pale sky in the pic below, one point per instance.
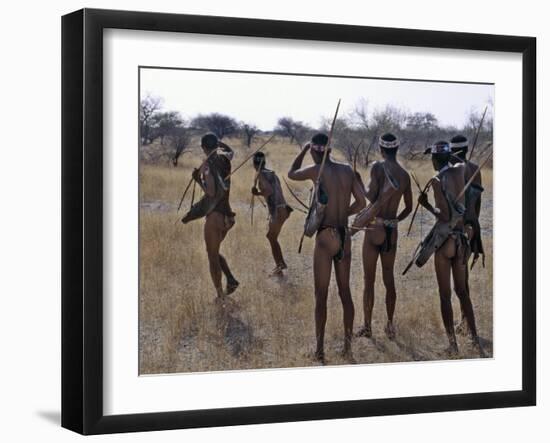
[(263, 98)]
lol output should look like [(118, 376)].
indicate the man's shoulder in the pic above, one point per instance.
[(471, 166), (342, 166), (400, 169), (377, 167), (456, 169), (223, 156), (404, 174), (268, 173)]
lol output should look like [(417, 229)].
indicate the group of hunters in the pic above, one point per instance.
[(454, 239)]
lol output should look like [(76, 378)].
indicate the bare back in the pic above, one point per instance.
[(337, 181), (380, 190), (447, 187)]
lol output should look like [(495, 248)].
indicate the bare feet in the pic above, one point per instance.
[(277, 271), (231, 287), (477, 345), (462, 327), (319, 356), (390, 330), (347, 355), (452, 350), (365, 331)]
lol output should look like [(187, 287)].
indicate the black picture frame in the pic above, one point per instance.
[(82, 218)]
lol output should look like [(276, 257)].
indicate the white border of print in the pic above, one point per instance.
[(125, 392)]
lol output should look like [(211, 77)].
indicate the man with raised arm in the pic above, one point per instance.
[(381, 233), (267, 185), (213, 178), (338, 183)]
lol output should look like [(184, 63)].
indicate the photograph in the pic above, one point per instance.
[(292, 220)]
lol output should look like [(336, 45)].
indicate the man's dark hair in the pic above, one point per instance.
[(389, 152), (388, 137), (389, 145), (459, 145), (209, 141), (442, 155), (259, 158), (461, 140), (319, 139), (442, 158)]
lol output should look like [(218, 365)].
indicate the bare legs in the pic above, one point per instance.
[(450, 260), (443, 274), (462, 328), (370, 258), (342, 271), (215, 231), (275, 225), (371, 252), (327, 244), (388, 262)]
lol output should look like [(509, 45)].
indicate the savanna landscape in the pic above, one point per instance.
[(268, 322)]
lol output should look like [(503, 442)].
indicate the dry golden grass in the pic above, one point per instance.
[(269, 323)]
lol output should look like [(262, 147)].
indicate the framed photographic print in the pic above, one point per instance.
[(269, 221)]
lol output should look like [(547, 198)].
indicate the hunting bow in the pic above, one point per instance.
[(184, 192), (325, 154), (355, 155), (418, 204), (419, 190), (470, 181), (416, 181), (294, 195), (318, 181), (256, 178), (192, 179)]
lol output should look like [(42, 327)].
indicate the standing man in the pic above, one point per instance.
[(212, 177), (472, 228), (449, 241), (270, 188), (381, 236), (332, 242)]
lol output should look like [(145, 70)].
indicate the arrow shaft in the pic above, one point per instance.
[(474, 175), (417, 206), (250, 156)]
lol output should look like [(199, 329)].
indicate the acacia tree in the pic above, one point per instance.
[(149, 106), (181, 139), (219, 124), (344, 137), (420, 129), (389, 119), (164, 124), (295, 130), (359, 116), (485, 137), (249, 131)]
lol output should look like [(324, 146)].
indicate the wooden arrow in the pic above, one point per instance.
[(250, 156)]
